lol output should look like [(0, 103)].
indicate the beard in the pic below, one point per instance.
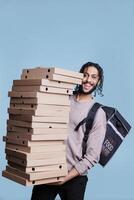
[(81, 91)]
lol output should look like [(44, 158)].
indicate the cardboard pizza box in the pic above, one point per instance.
[(40, 112), (43, 98), (54, 77), (35, 124), (49, 168), (25, 142), (30, 118), (43, 89), (26, 139), (45, 82), (45, 148), (39, 107), (25, 182), (35, 162), (35, 131), (34, 94), (36, 175), (34, 156), (49, 107), (51, 70), (43, 107)]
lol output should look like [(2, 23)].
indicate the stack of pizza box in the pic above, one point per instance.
[(37, 125)]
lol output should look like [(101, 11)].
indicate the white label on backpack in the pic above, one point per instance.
[(115, 129)]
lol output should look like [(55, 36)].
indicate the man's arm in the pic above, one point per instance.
[(94, 143), (73, 173)]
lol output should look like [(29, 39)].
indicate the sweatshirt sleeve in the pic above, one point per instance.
[(94, 143)]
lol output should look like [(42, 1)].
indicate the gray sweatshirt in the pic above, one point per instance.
[(78, 111)]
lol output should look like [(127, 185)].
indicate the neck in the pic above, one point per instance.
[(83, 97)]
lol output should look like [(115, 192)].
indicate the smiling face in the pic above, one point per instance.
[(90, 80)]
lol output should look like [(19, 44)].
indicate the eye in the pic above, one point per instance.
[(94, 77), (85, 75)]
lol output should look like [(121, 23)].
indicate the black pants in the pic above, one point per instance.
[(71, 190)]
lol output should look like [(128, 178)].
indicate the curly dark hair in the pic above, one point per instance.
[(99, 87)]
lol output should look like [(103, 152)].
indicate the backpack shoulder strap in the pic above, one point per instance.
[(90, 116), (89, 122)]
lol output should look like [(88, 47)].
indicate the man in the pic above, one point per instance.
[(74, 184)]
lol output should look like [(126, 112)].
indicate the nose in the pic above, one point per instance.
[(89, 79)]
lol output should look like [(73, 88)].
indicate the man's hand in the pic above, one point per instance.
[(73, 173)]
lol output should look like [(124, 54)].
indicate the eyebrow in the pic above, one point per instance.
[(91, 74)]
